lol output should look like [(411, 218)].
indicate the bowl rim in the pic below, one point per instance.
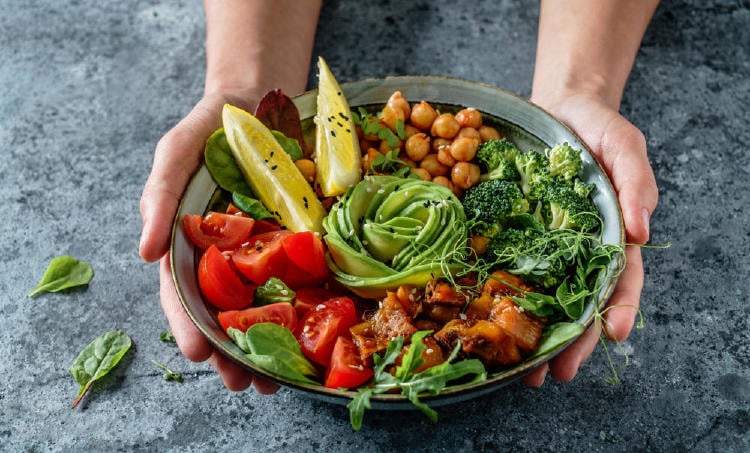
[(450, 394)]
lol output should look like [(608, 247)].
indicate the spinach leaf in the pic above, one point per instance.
[(250, 206), (222, 166), (63, 272), (274, 348), (290, 145), (556, 335), (271, 292), (430, 381), (97, 359)]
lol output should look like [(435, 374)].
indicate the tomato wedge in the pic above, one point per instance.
[(318, 331), (346, 369), (281, 313), (220, 284), (225, 231), (262, 257), (307, 252), (305, 299)]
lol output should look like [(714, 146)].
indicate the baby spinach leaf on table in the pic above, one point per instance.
[(278, 112), (222, 166), (274, 348), (98, 359), (271, 292), (430, 381), (250, 206), (63, 272)]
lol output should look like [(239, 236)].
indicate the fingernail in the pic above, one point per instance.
[(646, 220)]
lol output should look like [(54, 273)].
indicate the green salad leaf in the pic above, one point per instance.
[(63, 272), (271, 292), (251, 206), (98, 359), (222, 166), (274, 348)]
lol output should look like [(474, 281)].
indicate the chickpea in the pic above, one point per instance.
[(423, 174), (397, 101), (410, 130), (307, 168), (445, 126), (469, 132), (391, 116), (367, 159), (422, 115), (444, 157), (479, 244), (463, 149), (488, 133), (443, 181), (366, 144), (440, 143), (465, 174), (433, 166), (469, 117), (406, 160), (417, 146)]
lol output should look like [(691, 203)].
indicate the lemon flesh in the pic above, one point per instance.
[(271, 173), (337, 153)]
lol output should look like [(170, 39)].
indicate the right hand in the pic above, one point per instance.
[(177, 157)]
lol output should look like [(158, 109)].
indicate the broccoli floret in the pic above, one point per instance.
[(497, 158), (583, 189), (538, 258), (531, 167), (564, 161), (568, 209), (491, 203)]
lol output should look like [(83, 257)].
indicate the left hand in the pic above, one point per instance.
[(621, 150)]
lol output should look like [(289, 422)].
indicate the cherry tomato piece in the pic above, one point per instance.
[(225, 231), (307, 252), (346, 369), (318, 331), (305, 299), (262, 257), (281, 313), (220, 284)]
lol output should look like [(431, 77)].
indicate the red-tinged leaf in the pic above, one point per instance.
[(277, 112)]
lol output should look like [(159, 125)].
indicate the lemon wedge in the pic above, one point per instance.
[(271, 173), (337, 153)]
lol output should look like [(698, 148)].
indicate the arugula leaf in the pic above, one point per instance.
[(98, 359), (63, 272), (431, 381), (271, 292), (250, 206), (274, 348)]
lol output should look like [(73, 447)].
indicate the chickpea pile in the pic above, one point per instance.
[(439, 147)]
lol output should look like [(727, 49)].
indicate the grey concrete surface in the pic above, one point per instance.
[(88, 87)]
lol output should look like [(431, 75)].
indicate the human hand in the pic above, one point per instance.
[(177, 157), (621, 150)]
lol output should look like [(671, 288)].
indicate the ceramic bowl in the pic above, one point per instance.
[(527, 125)]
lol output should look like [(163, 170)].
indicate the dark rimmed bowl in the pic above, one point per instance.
[(527, 125)]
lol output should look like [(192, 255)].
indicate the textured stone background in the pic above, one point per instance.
[(88, 87)]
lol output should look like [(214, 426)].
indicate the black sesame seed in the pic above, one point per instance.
[(333, 133)]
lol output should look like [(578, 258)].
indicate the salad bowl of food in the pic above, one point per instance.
[(462, 238)]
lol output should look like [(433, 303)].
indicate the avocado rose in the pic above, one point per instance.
[(388, 231)]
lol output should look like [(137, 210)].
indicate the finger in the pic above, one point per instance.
[(191, 342), (176, 158), (265, 387), (623, 151), (235, 377), (565, 366), (536, 377), (624, 304)]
